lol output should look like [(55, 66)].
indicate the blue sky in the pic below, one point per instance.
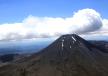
[(16, 10)]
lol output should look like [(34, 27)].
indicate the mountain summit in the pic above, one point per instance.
[(69, 55)]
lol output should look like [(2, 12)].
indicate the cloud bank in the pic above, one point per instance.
[(83, 21)]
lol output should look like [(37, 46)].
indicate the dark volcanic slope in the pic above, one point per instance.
[(70, 55)]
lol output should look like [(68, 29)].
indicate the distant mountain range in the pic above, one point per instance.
[(24, 46), (69, 55)]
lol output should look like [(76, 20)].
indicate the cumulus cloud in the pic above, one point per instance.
[(103, 30), (83, 21), (105, 25), (86, 20)]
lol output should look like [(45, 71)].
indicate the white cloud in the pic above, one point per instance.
[(105, 25), (103, 31), (83, 21), (86, 20)]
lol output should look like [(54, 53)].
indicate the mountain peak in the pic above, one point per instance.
[(73, 37), (70, 35), (67, 40), (64, 45), (70, 39)]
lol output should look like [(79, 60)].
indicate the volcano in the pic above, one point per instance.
[(69, 55)]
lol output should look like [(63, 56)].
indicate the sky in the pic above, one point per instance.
[(17, 10), (21, 19)]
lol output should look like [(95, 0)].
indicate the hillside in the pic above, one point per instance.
[(69, 55)]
